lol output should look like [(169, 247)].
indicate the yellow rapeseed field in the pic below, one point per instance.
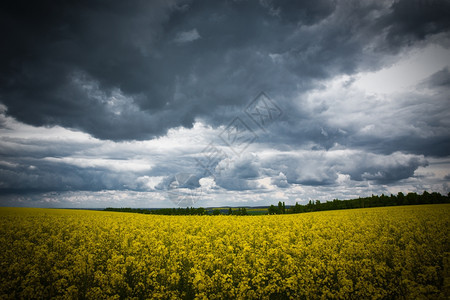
[(395, 252)]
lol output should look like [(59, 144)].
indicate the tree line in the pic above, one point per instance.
[(281, 208), (191, 211), (373, 201), (188, 211)]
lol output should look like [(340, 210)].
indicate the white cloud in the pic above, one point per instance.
[(405, 74), (187, 36), (260, 177), (149, 182), (117, 165)]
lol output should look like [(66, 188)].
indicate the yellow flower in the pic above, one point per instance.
[(390, 252)]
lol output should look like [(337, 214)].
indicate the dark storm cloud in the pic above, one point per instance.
[(16, 148), (32, 175), (171, 62), (238, 174), (412, 20), (414, 121), (26, 178), (316, 168), (131, 71), (319, 168), (56, 49)]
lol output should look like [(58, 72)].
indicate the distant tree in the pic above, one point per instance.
[(273, 210), (317, 205), (216, 212), (360, 202), (411, 198), (373, 201), (384, 200), (435, 197), (400, 198), (310, 206), (297, 208), (426, 198)]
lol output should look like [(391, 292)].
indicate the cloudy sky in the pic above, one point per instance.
[(239, 102)]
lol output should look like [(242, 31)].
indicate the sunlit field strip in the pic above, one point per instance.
[(388, 252)]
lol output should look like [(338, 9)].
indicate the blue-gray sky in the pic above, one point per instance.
[(145, 103)]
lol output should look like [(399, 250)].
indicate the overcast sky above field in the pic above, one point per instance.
[(147, 103)]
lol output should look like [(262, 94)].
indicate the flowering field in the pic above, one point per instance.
[(391, 252)]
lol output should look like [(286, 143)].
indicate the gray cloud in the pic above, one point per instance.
[(187, 36), (112, 96), (66, 61), (280, 180), (440, 80), (323, 168), (43, 176), (238, 173), (415, 20)]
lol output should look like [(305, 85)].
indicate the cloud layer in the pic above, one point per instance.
[(111, 96)]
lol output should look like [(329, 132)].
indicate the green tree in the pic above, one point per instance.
[(272, 210), (400, 198)]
